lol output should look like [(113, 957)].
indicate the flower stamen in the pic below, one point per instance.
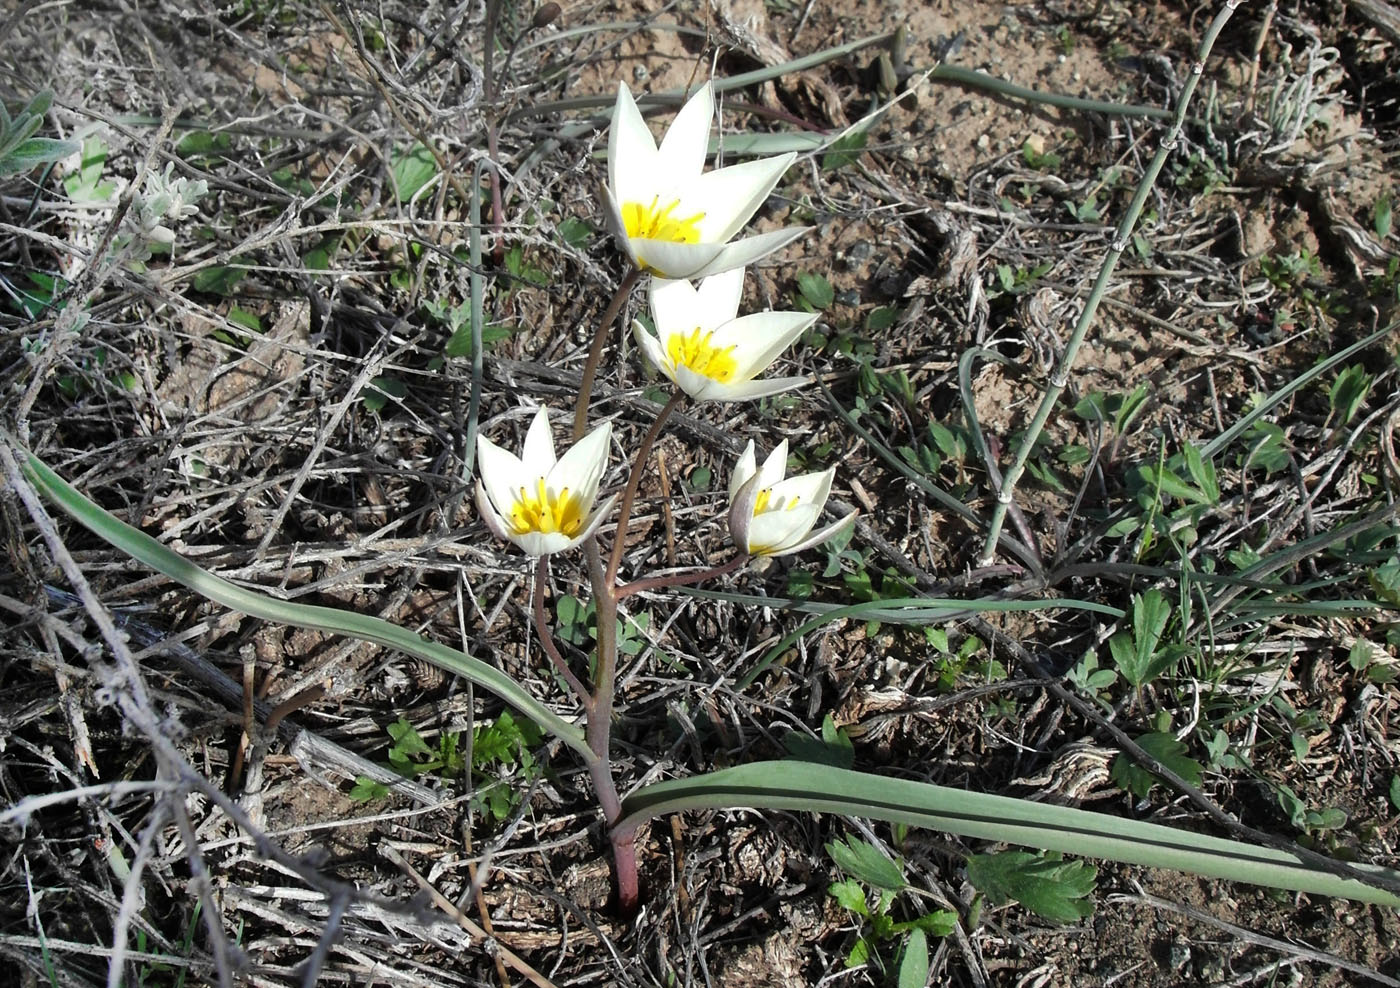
[(765, 496), (545, 511), (651, 223), (696, 352)]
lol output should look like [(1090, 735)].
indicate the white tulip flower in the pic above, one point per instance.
[(770, 516), (542, 503), (674, 219), (708, 352)]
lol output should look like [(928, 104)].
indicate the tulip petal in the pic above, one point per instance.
[(673, 260), (759, 338), (537, 458), (682, 154), (675, 305), (774, 466), (818, 537), (743, 470), (631, 150), (698, 386), (581, 468), (612, 215), (809, 488), (728, 197), (761, 387), (501, 473), (741, 505), (742, 253), (543, 543), (717, 298), (495, 524), (652, 350), (774, 532), (594, 520)]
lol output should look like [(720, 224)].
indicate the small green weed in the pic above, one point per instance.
[(870, 869), (1043, 882), (20, 150), (833, 748), (814, 292), (500, 748), (953, 665)]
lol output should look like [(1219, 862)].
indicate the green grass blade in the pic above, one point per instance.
[(144, 549), (1266, 406), (793, 785), (1018, 549), (914, 610)]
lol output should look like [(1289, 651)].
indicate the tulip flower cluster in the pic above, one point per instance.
[(677, 223)]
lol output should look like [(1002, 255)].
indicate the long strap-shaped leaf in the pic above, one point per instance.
[(795, 785), (144, 549)]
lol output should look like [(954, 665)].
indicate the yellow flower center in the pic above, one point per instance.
[(653, 223), (696, 352), (546, 512)]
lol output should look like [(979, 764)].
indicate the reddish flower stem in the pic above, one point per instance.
[(595, 350), (551, 647), (624, 511), (683, 579)]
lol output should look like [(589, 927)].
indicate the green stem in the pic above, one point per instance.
[(595, 350), (1060, 378)]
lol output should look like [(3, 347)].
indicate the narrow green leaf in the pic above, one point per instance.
[(834, 747), (1139, 656), (1202, 472), (1348, 391), (86, 185), (198, 142), (381, 391), (35, 151), (844, 150), (938, 923), (816, 290), (220, 279), (38, 104), (1167, 750), (367, 790), (881, 319), (822, 789), (146, 550), (860, 953), (574, 231)]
